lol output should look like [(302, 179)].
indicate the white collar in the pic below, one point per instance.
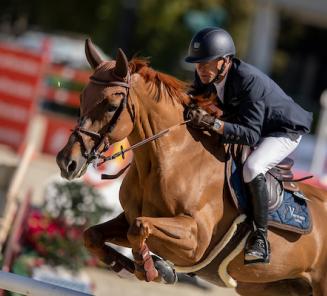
[(220, 88)]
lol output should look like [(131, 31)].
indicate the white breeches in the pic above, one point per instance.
[(269, 152)]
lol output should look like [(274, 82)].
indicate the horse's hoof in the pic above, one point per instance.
[(140, 275)]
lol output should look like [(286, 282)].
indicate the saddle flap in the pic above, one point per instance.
[(276, 192)]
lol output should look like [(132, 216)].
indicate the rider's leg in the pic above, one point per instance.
[(257, 249), (270, 152)]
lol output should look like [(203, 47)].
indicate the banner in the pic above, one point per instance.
[(21, 73), (57, 133), (64, 85)]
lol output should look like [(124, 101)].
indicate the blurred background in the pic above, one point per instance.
[(42, 71)]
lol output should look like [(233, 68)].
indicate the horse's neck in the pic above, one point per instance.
[(162, 158), (153, 117)]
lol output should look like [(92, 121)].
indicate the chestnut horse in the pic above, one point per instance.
[(174, 195)]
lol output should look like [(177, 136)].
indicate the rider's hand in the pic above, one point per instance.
[(200, 118)]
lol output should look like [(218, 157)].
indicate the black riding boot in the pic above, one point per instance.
[(257, 246)]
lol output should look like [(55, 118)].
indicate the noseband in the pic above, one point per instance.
[(99, 139)]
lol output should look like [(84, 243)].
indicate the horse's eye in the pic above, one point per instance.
[(119, 94), (112, 108)]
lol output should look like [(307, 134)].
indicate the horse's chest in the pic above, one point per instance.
[(158, 204), (160, 194)]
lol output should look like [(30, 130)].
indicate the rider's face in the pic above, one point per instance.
[(208, 71)]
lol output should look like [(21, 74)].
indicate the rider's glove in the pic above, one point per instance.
[(200, 119)]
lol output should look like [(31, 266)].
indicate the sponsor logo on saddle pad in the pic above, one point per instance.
[(297, 218)]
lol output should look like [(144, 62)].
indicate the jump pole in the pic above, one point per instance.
[(26, 286), (36, 131)]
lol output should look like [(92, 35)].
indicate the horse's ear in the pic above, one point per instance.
[(121, 68), (92, 55)]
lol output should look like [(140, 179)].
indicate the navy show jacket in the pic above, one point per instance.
[(255, 107)]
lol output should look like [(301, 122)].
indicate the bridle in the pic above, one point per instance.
[(96, 156), (101, 138)]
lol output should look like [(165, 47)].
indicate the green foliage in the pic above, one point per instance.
[(240, 18)]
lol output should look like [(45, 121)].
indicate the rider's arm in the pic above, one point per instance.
[(248, 129)]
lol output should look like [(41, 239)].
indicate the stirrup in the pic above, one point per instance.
[(258, 259), (264, 260)]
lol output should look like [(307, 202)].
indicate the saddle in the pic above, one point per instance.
[(287, 208), (278, 179)]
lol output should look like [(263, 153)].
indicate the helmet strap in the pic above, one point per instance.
[(223, 66), (221, 71)]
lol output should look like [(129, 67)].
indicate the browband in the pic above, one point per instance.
[(111, 83)]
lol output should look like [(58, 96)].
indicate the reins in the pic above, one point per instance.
[(133, 147)]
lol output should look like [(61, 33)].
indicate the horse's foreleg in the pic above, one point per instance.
[(114, 231), (178, 235)]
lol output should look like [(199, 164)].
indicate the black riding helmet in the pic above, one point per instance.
[(210, 44)]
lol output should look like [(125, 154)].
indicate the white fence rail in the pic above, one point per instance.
[(26, 286)]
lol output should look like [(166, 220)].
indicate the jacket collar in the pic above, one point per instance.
[(232, 86)]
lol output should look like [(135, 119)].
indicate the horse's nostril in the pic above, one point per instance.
[(72, 166)]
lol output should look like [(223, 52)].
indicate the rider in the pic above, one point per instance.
[(257, 113)]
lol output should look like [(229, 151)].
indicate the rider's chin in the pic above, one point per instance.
[(205, 79)]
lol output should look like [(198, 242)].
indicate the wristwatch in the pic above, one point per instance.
[(216, 124)]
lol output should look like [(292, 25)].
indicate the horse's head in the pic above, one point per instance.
[(105, 116)]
